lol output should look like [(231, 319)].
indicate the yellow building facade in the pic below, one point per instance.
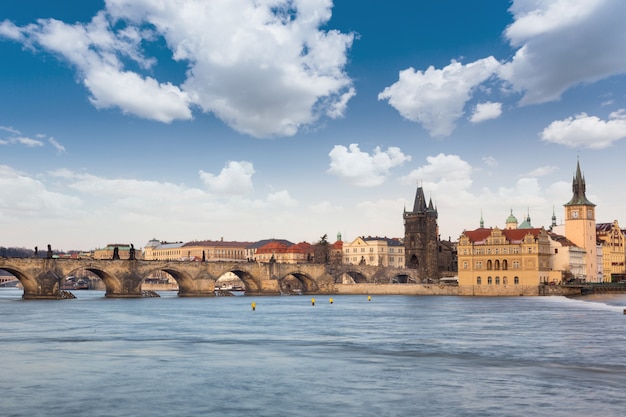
[(612, 239), (493, 261)]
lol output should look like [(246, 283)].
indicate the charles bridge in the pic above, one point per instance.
[(42, 278)]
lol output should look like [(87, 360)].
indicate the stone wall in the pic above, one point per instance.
[(396, 289)]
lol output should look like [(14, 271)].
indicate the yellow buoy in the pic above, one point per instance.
[(253, 306), (331, 300), (369, 298), (312, 301)]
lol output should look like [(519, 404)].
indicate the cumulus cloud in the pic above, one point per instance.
[(447, 176), (234, 179), (587, 131), (362, 169), (281, 198), (486, 111), (435, 98), (541, 171), (558, 44), (263, 67), (22, 196), (563, 43)]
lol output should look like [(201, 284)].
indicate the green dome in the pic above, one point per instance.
[(511, 218)]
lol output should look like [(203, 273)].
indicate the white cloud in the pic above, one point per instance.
[(24, 197), (282, 198), (587, 131), (490, 161), (60, 148), (31, 143), (234, 179), (541, 171), (486, 111), (563, 43), (435, 98), (263, 67), (362, 169), (10, 130), (447, 177)]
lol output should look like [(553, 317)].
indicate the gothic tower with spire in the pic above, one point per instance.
[(580, 224), (421, 237)]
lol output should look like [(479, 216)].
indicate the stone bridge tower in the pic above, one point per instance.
[(421, 237)]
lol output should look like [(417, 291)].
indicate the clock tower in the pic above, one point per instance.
[(580, 224)]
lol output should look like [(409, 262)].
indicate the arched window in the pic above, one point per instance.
[(497, 263), (497, 280), (505, 265), (489, 280), (516, 280), (504, 280), (478, 280), (489, 266)]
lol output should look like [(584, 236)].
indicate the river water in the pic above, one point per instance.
[(391, 356)]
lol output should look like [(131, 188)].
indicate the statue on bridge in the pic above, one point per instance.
[(49, 254), (36, 252), (116, 253), (131, 253)]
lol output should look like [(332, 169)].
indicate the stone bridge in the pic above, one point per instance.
[(42, 278)]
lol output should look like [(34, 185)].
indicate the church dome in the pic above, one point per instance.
[(511, 218)]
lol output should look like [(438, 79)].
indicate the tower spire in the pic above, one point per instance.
[(579, 189)]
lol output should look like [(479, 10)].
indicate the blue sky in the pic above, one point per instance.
[(126, 120)]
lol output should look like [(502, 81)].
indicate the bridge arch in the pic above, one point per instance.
[(351, 276), (29, 283), (250, 283), (307, 285)]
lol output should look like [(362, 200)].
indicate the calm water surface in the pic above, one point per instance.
[(391, 356)]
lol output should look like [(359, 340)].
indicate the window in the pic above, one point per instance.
[(497, 280), (478, 280), (479, 265), (504, 281), (489, 281), (516, 280), (464, 264), (515, 264)]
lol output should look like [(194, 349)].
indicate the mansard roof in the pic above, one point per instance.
[(479, 236), (218, 243), (264, 242)]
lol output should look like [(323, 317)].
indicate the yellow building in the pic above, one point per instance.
[(162, 251), (374, 251), (503, 262), (612, 242)]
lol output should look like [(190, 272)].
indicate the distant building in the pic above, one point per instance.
[(251, 249), (567, 258), (612, 241), (162, 251), (421, 237), (215, 250), (278, 251), (374, 251), (123, 249)]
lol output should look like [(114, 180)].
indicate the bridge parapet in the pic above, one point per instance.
[(42, 278)]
